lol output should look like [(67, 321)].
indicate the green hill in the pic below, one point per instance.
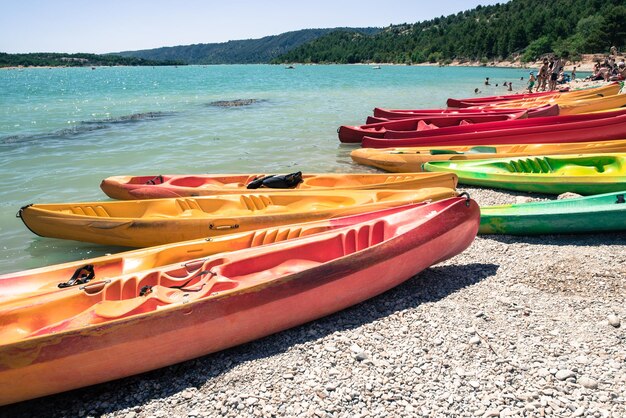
[(55, 59), (519, 28), (248, 51)]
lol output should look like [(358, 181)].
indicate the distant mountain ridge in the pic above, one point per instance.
[(246, 51)]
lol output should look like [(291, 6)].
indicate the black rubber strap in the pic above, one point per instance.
[(82, 275)]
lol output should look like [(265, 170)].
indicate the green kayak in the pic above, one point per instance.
[(555, 174), (605, 212)]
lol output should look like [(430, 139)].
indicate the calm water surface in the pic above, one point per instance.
[(63, 130)]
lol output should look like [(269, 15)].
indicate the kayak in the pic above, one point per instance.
[(390, 114), (354, 134), (559, 129), (582, 105), (466, 102), (543, 123), (158, 317), (161, 186), (92, 272), (598, 213), (555, 174), (144, 223), (533, 101), (411, 159), (593, 105)]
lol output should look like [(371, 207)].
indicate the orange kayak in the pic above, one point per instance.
[(82, 274), (144, 223), (161, 186), (410, 159), (158, 317)]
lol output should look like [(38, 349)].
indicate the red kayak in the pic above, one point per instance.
[(354, 134), (560, 129), (390, 114), (477, 101)]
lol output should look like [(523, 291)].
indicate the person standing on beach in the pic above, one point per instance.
[(573, 76), (531, 82), (542, 76), (556, 69)]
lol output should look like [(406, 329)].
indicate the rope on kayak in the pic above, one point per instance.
[(156, 180), (82, 275)]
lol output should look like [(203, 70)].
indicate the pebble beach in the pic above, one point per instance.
[(514, 326)]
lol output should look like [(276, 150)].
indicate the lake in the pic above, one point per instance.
[(63, 130)]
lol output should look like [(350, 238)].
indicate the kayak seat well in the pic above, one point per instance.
[(205, 182), (255, 202), (87, 210), (527, 166), (326, 181), (282, 234), (423, 126), (264, 267)]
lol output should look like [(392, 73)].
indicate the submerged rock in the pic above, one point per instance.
[(235, 103)]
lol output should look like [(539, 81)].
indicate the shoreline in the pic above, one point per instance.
[(585, 64)]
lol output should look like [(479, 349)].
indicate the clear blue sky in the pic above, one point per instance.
[(100, 26)]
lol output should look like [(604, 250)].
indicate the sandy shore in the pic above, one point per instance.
[(514, 326)]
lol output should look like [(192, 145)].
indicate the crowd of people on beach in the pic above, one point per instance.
[(551, 73), (609, 70)]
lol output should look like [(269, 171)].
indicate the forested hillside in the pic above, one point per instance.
[(248, 51), (54, 59), (519, 28)]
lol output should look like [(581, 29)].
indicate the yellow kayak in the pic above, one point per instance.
[(161, 186), (595, 104), (144, 223), (410, 159), (561, 99)]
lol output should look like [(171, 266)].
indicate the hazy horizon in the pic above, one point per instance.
[(72, 26)]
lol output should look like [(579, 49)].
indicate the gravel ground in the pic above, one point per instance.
[(514, 326)]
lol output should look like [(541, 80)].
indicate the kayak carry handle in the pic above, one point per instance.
[(94, 287), (223, 227), (19, 212), (467, 198)]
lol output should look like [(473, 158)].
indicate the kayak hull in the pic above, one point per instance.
[(551, 98), (144, 223), (598, 213), (556, 174), (380, 114), (44, 280), (354, 134), (189, 185), (411, 159), (560, 129), (324, 277)]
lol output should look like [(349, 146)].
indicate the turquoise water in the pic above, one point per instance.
[(63, 130)]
